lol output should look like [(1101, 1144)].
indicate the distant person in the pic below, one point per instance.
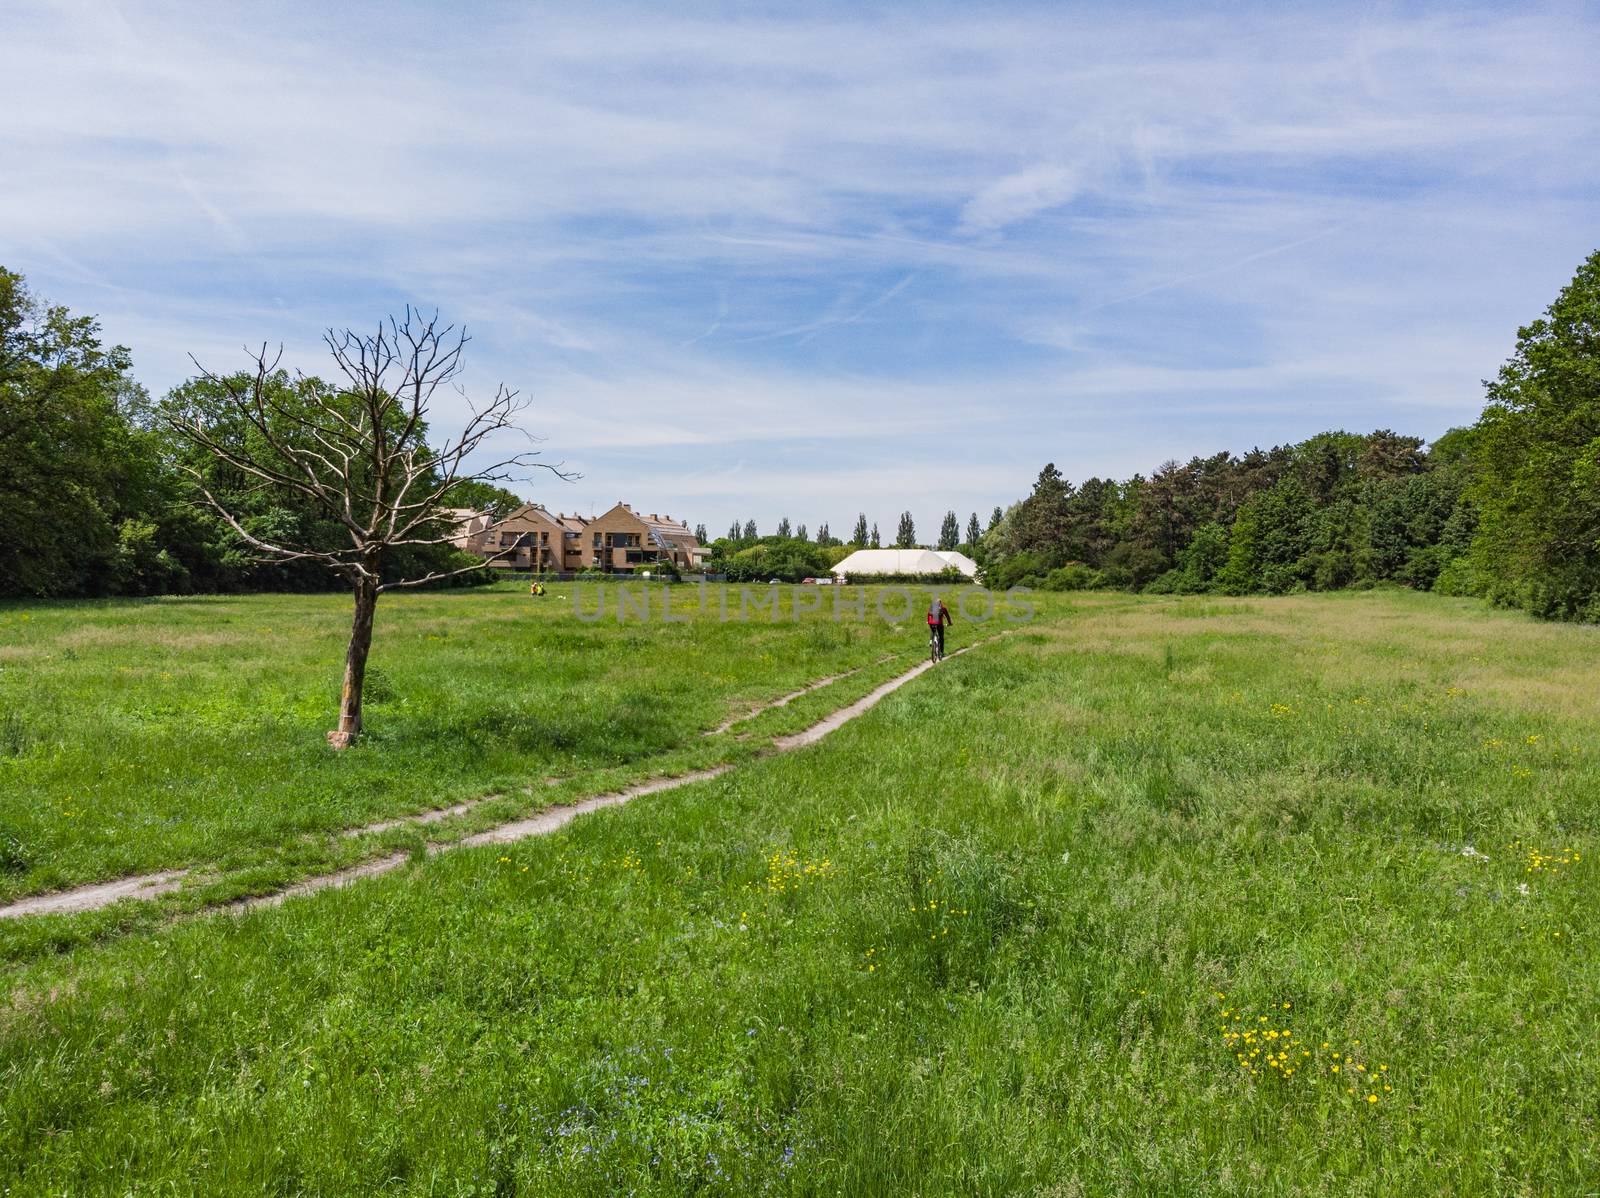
[(938, 619)]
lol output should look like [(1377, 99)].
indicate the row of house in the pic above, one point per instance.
[(620, 541)]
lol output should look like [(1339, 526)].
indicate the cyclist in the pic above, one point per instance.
[(938, 618)]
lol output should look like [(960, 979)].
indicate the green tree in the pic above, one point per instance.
[(1041, 524), (749, 533), (859, 539), (82, 484), (906, 536), (1203, 557), (974, 530), (876, 540), (735, 532), (784, 530), (1536, 453), (949, 532), (486, 497), (1269, 540), (700, 533), (1092, 517)]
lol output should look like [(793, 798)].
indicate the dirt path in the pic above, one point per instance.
[(830, 723), (782, 701), (785, 700), (103, 894), (95, 895)]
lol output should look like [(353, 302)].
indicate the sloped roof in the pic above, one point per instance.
[(572, 523), (668, 532), (960, 561), (905, 561)]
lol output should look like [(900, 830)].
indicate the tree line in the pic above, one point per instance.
[(791, 553), (1508, 508), (102, 493)]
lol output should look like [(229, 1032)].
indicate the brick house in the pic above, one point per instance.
[(620, 541), (530, 538)]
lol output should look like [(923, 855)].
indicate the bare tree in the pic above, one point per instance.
[(358, 453)]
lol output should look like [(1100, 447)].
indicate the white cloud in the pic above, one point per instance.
[(1019, 196), (775, 241)]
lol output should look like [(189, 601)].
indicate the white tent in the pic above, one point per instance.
[(960, 561), (905, 561)]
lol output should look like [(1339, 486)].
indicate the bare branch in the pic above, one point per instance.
[(356, 453)]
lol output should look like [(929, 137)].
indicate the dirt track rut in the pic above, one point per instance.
[(103, 894)]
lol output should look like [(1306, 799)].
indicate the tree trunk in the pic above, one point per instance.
[(355, 664)]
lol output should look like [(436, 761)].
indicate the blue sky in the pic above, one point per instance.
[(761, 262)]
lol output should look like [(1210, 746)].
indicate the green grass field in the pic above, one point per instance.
[(1170, 896), (187, 733)]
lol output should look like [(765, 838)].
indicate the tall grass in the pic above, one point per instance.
[(1002, 935), (139, 735)]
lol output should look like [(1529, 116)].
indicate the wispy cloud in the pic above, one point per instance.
[(1019, 196), (857, 254)]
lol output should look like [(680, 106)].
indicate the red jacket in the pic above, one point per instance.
[(943, 616)]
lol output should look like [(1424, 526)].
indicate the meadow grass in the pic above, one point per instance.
[(138, 736), (1036, 924), (144, 735)]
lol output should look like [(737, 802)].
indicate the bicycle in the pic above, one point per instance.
[(935, 649)]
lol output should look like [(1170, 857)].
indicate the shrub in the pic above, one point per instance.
[(1457, 577), (1173, 582), (1116, 578), (1007, 572), (1072, 577), (945, 578)]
